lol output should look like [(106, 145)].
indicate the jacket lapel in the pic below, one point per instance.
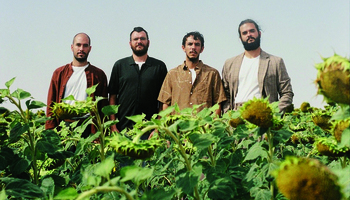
[(263, 65), (237, 67)]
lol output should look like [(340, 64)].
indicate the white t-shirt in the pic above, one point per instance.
[(194, 75), (76, 85), (140, 64), (248, 86)]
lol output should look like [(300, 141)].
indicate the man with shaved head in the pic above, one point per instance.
[(74, 78)]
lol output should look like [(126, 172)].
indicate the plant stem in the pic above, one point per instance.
[(18, 105), (88, 193), (143, 131), (271, 153), (212, 159), (343, 161), (32, 145), (183, 153), (101, 136)]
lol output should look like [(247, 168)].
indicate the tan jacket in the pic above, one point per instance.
[(273, 80)]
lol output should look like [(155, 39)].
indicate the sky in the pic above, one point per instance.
[(35, 36)]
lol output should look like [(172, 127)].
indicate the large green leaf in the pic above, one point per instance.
[(167, 111), (20, 94), (47, 147), (159, 194), (10, 82), (4, 110), (19, 166), (282, 135), (3, 194), (110, 110), (221, 188), (91, 89), (135, 174), (4, 93), (263, 195), (202, 141), (342, 113), (256, 151), (48, 187), (187, 125), (188, 180), (69, 193), (17, 131), (50, 136), (137, 118), (345, 138), (3, 162), (21, 188), (105, 167), (34, 104), (60, 154)]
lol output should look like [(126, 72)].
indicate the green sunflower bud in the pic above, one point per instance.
[(301, 138), (305, 106), (322, 120), (306, 179), (258, 112), (67, 111), (277, 123), (234, 122), (333, 79), (142, 150), (329, 147)]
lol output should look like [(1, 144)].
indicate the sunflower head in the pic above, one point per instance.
[(333, 79), (258, 112), (306, 179)]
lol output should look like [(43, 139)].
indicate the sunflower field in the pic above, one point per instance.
[(256, 152)]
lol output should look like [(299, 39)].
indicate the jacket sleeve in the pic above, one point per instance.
[(51, 98), (284, 87), (226, 85)]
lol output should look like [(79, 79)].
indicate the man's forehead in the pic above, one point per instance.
[(138, 34), (81, 38), (191, 39), (247, 26)]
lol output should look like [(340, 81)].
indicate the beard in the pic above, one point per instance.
[(253, 45), (194, 59), (142, 51), (81, 59)]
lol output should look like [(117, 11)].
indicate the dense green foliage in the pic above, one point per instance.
[(191, 155)]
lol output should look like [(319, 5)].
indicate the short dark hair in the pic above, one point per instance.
[(139, 29), (245, 22), (196, 35), (84, 34)]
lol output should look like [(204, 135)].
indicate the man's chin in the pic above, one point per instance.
[(81, 59), (193, 59)]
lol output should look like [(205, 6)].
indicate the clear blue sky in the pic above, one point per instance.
[(35, 36)]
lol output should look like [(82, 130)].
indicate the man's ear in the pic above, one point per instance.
[(202, 49)]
